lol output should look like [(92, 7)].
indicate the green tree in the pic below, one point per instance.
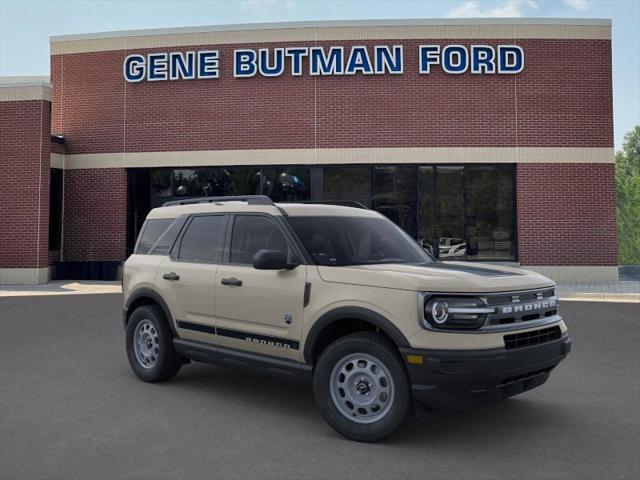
[(628, 198)]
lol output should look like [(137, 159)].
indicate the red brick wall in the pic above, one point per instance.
[(24, 196), (562, 98), (95, 213), (566, 214), (57, 148)]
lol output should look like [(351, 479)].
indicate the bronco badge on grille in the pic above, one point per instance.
[(528, 307)]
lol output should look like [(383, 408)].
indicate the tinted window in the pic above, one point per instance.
[(167, 239), (204, 239), (490, 215), (348, 183), (55, 209), (342, 241), (394, 195), (150, 234), (252, 233)]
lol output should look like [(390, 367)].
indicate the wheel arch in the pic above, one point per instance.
[(328, 322), (147, 296)]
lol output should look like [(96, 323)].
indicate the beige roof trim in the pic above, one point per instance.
[(21, 94), (341, 156), (433, 29), (20, 89), (57, 160)]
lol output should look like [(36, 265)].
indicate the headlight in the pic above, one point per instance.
[(455, 313)]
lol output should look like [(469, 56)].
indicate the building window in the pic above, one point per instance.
[(467, 212), (394, 195), (55, 209), (279, 183), (457, 212), (347, 183), (490, 212)]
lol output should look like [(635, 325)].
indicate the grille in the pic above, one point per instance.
[(523, 307), (535, 337)]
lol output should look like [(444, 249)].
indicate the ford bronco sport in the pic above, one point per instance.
[(337, 296)]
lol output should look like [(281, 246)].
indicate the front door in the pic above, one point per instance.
[(259, 309)]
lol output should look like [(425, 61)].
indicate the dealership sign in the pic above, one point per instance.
[(325, 61)]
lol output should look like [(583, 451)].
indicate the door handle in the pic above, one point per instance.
[(171, 276), (234, 282)]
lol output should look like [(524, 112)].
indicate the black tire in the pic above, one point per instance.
[(166, 363), (377, 346)]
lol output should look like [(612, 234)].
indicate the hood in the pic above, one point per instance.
[(457, 277)]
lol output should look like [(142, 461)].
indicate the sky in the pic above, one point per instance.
[(25, 26)]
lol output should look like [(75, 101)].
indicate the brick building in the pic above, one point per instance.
[(486, 140)]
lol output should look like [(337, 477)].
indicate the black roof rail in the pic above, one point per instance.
[(250, 199), (342, 203)]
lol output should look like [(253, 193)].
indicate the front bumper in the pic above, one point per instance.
[(453, 379)]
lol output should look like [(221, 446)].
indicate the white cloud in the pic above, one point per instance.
[(578, 4), (266, 4), (507, 8)]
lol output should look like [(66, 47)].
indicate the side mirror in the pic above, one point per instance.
[(272, 260)]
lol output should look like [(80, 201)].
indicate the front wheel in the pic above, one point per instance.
[(150, 345), (361, 387)]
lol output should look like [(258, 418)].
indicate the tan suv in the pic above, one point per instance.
[(337, 296)]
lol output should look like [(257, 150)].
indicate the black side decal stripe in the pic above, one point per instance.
[(240, 335), (254, 337), (198, 327)]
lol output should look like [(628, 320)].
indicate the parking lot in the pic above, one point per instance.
[(71, 408)]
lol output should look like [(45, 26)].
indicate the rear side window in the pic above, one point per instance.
[(204, 239), (151, 233), (167, 239)]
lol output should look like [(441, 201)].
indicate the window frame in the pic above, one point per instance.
[(174, 253)]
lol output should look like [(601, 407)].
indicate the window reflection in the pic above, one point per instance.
[(394, 195), (489, 191), (457, 212), (348, 183), (279, 183), (467, 212)]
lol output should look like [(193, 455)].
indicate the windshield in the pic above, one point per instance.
[(344, 241)]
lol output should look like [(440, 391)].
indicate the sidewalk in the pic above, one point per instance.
[(627, 292), (61, 287), (620, 291)]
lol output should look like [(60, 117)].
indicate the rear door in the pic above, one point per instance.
[(187, 276), (259, 310)]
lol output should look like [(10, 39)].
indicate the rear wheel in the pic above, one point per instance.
[(150, 345), (361, 387)]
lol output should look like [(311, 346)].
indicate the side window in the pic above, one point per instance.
[(150, 234), (252, 233), (204, 239), (166, 240)]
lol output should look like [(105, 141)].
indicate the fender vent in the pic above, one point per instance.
[(534, 337)]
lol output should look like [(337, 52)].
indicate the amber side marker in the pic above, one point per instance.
[(415, 359)]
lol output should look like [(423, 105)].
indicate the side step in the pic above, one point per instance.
[(227, 357)]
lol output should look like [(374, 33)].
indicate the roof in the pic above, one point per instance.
[(334, 24), (17, 89), (344, 30)]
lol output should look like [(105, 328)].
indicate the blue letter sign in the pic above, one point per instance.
[(324, 61)]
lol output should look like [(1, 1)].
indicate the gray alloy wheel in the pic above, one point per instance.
[(362, 388), (146, 344)]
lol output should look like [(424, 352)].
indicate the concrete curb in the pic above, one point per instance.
[(601, 297)]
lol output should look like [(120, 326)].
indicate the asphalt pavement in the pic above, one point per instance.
[(70, 408)]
